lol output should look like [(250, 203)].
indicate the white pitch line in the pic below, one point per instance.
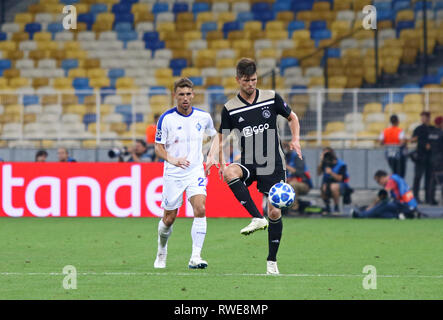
[(199, 274)]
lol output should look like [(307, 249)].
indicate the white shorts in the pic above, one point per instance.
[(173, 189)]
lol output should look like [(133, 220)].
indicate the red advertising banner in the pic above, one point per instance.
[(102, 190)]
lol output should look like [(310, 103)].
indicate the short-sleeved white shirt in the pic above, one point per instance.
[(183, 137)]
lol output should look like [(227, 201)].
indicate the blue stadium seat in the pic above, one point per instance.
[(131, 2), (259, 7), (55, 27), (440, 72), (68, 64), (401, 5), (89, 118), (120, 8), (208, 26), (66, 2), (30, 99), (382, 6), (154, 45), (127, 118), (321, 34), (160, 7), (287, 63), (180, 7), (177, 65), (123, 17), (245, 16), (295, 25), (317, 25), (333, 53), (264, 16), (429, 79), (385, 15), (151, 36), (157, 90), (200, 7), (420, 5), (281, 6), (80, 83), (127, 36), (3, 36), (231, 26), (97, 8), (5, 64), (438, 6), (123, 109), (32, 28), (297, 6), (197, 81), (123, 27), (401, 25), (116, 73), (88, 18)]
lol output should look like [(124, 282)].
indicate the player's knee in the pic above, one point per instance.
[(229, 174), (274, 213), (168, 220), (200, 211)]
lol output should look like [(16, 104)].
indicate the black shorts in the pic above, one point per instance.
[(264, 182)]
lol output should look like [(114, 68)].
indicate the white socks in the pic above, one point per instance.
[(163, 235), (198, 233)]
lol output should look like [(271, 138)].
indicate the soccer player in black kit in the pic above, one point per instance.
[(252, 115)]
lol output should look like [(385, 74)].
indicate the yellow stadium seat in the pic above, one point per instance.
[(82, 8), (96, 73), (225, 63), (192, 35), (321, 6), (42, 36), (8, 45), (413, 107), (166, 26), (413, 98), (163, 73), (20, 36), (224, 17), (124, 82), (47, 45), (316, 81), (107, 17), (140, 7), (72, 45), (343, 5), (301, 35), (252, 26), (275, 25), (230, 83), (334, 126), (18, 82), (190, 72), (24, 17), (405, 15), (76, 54), (286, 17), (372, 107), (268, 53), (360, 4), (143, 17), (62, 83), (77, 73), (277, 34), (219, 44), (241, 44), (13, 109), (101, 26), (75, 109), (239, 35), (376, 127), (304, 16)]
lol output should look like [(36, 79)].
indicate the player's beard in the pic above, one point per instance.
[(248, 92)]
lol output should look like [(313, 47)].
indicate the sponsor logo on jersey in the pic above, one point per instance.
[(158, 135), (249, 131), (198, 126)]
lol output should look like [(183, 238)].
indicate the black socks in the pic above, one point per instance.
[(274, 237), (242, 194)]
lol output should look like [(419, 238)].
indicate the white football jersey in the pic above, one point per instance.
[(183, 138)]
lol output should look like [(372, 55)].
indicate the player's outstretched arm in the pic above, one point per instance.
[(294, 125), (161, 152), (211, 159)]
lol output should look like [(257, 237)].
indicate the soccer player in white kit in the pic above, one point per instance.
[(179, 139)]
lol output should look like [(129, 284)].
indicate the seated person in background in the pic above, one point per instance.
[(63, 155), (41, 156), (335, 178), (298, 175), (403, 198), (381, 208), (140, 152)]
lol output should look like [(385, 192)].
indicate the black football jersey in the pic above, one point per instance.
[(255, 125)]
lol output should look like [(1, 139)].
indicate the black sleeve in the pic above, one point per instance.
[(342, 172), (281, 107), (415, 132), (225, 123)]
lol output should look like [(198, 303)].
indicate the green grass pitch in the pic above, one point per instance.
[(318, 259)]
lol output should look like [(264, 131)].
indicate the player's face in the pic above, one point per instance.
[(248, 84), (184, 98), (382, 181)]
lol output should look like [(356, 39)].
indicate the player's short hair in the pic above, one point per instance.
[(426, 114), (394, 119), (183, 83), (246, 67), (142, 142), (380, 174), (41, 153)]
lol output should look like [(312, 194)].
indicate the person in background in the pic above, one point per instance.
[(298, 175), (423, 159), (335, 178), (151, 129), (435, 145), (63, 155), (403, 198), (393, 138), (380, 208), (41, 156), (141, 152)]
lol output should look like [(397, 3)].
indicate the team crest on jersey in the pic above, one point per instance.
[(198, 126), (266, 114), (158, 135)]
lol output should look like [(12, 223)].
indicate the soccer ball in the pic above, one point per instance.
[(281, 195)]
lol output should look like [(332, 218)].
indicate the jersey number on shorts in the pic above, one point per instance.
[(201, 182)]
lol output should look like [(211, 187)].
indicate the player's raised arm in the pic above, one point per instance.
[(294, 125)]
